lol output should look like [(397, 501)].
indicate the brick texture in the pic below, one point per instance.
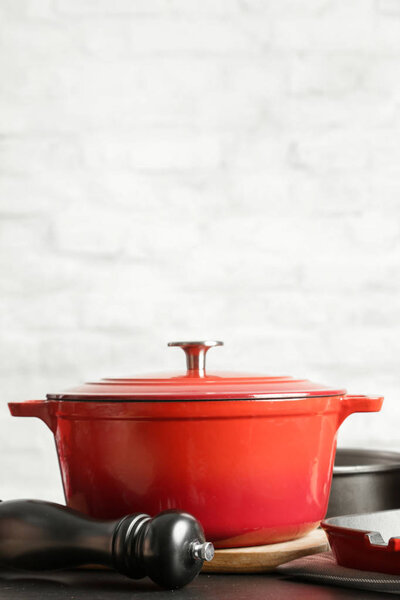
[(177, 169)]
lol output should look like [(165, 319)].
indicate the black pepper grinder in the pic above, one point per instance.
[(37, 535)]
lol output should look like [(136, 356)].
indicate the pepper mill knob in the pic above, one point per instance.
[(196, 354), (170, 548)]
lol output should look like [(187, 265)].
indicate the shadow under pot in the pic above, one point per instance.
[(250, 456)]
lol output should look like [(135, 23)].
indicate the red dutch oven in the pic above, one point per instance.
[(251, 457)]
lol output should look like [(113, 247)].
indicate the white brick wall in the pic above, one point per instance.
[(182, 168)]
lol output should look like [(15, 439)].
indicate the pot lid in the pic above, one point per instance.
[(197, 384)]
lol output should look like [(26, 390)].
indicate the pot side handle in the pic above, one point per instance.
[(42, 409), (357, 403)]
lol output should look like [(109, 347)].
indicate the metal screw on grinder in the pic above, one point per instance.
[(203, 551)]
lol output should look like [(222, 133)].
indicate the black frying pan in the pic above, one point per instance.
[(364, 481)]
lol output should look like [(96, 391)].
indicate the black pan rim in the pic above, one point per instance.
[(372, 468)]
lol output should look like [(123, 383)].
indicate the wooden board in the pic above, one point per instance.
[(259, 559)]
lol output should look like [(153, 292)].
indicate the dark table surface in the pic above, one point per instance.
[(107, 585)]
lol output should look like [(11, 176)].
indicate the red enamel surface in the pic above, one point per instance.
[(353, 549), (197, 386), (252, 472)]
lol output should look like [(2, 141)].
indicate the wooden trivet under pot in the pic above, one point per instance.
[(260, 559)]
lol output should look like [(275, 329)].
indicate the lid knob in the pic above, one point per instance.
[(196, 354)]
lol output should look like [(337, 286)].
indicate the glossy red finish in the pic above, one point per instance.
[(252, 471), (195, 386), (353, 549)]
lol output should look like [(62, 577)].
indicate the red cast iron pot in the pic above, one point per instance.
[(250, 457)]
